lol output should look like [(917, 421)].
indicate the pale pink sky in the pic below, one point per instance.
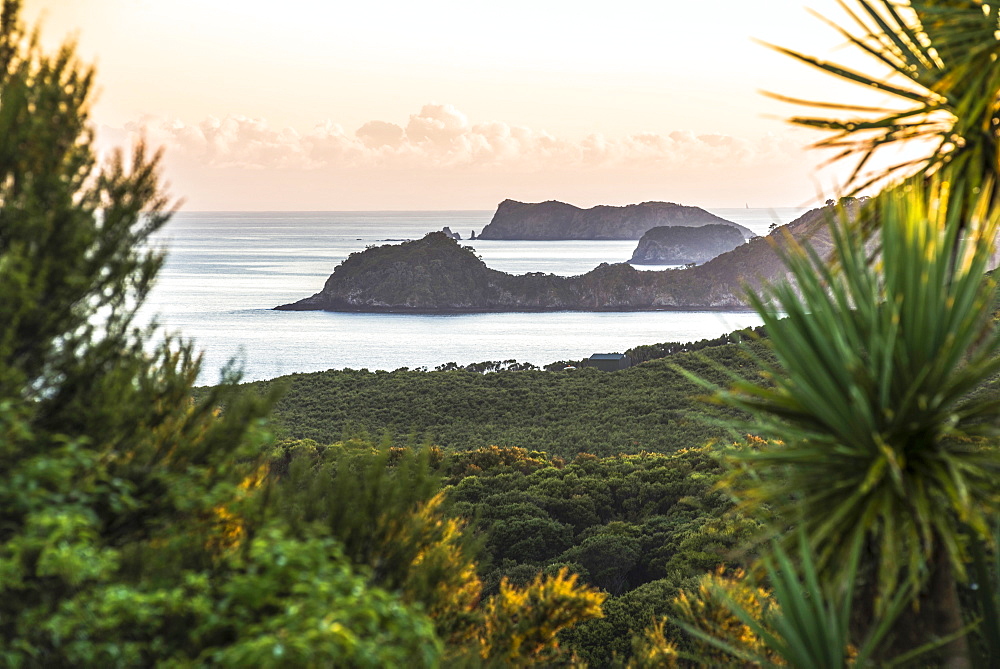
[(318, 105)]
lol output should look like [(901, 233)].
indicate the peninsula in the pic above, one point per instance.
[(436, 274), (554, 220)]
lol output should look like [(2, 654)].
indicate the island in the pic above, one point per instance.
[(554, 220), (682, 245), (436, 274)]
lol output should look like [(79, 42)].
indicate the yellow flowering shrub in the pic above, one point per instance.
[(652, 650), (706, 610), (521, 625)]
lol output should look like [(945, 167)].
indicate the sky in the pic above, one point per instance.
[(443, 105)]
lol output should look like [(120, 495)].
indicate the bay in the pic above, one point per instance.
[(225, 271)]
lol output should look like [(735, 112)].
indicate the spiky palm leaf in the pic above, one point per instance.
[(809, 628), (877, 433), (940, 67)]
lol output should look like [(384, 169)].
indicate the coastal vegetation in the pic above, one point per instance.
[(649, 407), (836, 506), (139, 527)]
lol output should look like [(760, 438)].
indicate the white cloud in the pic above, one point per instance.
[(438, 125), (442, 137), (378, 134)]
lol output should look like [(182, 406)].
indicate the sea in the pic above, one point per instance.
[(225, 271)]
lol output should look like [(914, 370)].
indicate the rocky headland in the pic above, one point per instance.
[(682, 245), (437, 275), (557, 220)]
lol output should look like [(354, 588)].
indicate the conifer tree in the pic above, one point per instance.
[(124, 534), (139, 526)]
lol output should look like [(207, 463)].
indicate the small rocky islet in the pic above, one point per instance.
[(682, 245)]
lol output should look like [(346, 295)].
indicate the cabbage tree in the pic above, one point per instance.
[(877, 431)]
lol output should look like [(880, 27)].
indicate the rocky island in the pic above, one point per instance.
[(557, 220), (681, 245), (437, 275)]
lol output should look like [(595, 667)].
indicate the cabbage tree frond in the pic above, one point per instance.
[(940, 61), (876, 432)]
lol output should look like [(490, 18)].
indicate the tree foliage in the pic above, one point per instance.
[(649, 407), (937, 64), (875, 364), (523, 623), (639, 527), (139, 526), (121, 541), (878, 438)]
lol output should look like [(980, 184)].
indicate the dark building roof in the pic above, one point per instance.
[(609, 362)]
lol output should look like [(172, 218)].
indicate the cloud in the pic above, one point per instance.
[(437, 125), (378, 134), (442, 137)]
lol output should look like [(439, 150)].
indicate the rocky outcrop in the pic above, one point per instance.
[(557, 220), (681, 245), (437, 275), (453, 235)]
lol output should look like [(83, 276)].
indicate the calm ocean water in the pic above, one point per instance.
[(226, 270)]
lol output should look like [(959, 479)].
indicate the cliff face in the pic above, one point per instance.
[(558, 220), (680, 245), (437, 275)]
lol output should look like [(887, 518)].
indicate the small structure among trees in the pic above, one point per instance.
[(609, 362)]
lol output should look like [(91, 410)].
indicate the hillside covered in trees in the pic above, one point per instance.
[(649, 407)]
